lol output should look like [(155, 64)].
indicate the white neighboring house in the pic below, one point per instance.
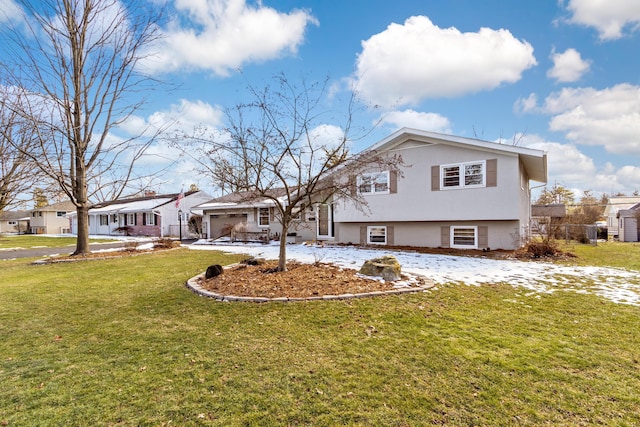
[(454, 192), (615, 205), (629, 224), (150, 215)]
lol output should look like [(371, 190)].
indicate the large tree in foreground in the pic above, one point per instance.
[(76, 66), (278, 147)]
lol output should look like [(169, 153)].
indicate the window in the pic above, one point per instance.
[(263, 217), (12, 222), (60, 213), (464, 237), (150, 218), (377, 235), (463, 175), (104, 219), (130, 219), (374, 183)]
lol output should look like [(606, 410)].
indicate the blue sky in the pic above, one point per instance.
[(561, 76)]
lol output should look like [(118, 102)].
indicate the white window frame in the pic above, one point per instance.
[(373, 179), (131, 219), (150, 218), (452, 237), (463, 169), (370, 229), (104, 219), (260, 217)]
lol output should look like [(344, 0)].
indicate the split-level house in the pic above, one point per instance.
[(451, 191), (51, 219), (153, 215)]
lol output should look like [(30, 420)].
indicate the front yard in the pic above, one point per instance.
[(122, 342)]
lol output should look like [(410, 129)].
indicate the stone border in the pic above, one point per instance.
[(193, 285)]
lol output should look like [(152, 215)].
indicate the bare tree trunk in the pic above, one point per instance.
[(282, 253), (82, 241)]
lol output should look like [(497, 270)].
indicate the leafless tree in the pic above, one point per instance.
[(274, 148), (16, 167), (77, 69)]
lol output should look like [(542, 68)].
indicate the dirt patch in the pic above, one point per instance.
[(300, 281)]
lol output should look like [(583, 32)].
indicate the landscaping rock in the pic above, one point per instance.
[(253, 261), (386, 267), (213, 271)]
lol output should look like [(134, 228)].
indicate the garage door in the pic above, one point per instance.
[(222, 224)]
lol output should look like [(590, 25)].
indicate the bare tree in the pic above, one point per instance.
[(16, 167), (76, 67), (274, 148)]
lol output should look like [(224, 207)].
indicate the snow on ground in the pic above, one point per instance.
[(617, 285)]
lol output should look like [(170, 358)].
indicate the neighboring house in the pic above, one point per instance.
[(51, 219), (546, 219), (14, 222), (629, 224), (454, 192), (616, 204), (150, 215)]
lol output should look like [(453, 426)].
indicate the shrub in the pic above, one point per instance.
[(542, 249)]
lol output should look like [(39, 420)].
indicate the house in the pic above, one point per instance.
[(629, 224), (165, 215), (547, 219), (243, 217), (614, 205), (451, 192), (14, 222), (51, 219)]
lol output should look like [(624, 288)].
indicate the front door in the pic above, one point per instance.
[(325, 221)]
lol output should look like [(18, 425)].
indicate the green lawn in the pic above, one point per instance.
[(613, 254), (27, 241), (122, 342)]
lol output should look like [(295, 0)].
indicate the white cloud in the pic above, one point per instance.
[(409, 62), (10, 11), (609, 118), (223, 35), (183, 117), (418, 120), (526, 105), (609, 17), (571, 168), (568, 66)]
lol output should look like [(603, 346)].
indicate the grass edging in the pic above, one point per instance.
[(194, 285)]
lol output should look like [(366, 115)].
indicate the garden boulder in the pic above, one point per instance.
[(213, 271), (386, 267)]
